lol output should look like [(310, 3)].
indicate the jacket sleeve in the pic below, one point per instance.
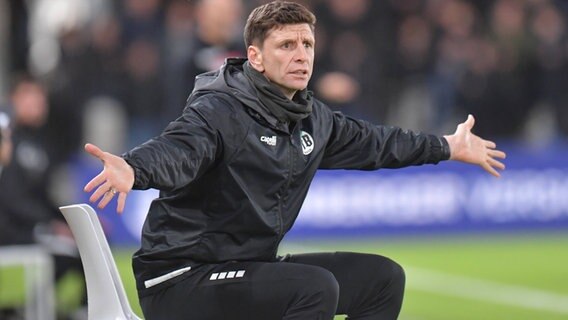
[(357, 144), (185, 149)]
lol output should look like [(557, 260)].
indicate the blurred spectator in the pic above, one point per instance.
[(551, 50), (107, 86), (413, 104), (27, 213), (68, 91), (502, 108), (343, 30), (340, 90), (456, 22), (177, 51), (216, 37), (143, 96), (142, 18), (104, 70)]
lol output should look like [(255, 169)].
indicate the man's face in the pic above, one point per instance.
[(30, 104), (286, 57)]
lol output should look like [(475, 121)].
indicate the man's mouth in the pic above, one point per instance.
[(300, 72)]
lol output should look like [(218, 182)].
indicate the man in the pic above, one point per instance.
[(233, 172)]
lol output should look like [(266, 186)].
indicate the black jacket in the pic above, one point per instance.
[(24, 193), (233, 179)]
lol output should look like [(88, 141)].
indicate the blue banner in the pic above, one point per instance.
[(532, 193)]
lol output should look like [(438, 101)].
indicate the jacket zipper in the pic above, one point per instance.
[(283, 192)]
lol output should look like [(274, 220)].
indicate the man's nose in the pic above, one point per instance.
[(301, 53)]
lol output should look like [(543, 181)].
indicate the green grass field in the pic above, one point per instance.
[(520, 276)]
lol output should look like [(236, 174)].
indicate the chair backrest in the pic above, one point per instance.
[(105, 291)]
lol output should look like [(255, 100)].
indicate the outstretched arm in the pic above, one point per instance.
[(467, 147), (117, 176)]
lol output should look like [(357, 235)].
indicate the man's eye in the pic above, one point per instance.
[(307, 45), (286, 45)]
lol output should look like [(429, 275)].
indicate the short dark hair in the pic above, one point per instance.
[(273, 15), (22, 78)]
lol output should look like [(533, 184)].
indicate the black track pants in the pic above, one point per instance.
[(302, 287)]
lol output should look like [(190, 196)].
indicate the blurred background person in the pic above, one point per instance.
[(342, 47), (143, 89), (453, 23), (413, 104), (548, 27), (28, 215), (504, 103), (143, 95), (216, 37)]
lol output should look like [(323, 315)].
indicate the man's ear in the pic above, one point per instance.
[(254, 55)]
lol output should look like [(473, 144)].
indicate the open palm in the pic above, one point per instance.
[(470, 148), (117, 176)]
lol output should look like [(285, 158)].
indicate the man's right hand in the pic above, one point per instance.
[(117, 176)]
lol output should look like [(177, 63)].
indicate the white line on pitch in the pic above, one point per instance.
[(473, 288), (484, 290)]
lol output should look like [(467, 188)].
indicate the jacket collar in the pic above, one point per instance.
[(230, 79)]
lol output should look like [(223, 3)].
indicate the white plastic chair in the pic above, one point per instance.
[(106, 298)]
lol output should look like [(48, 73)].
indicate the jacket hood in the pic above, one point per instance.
[(230, 79)]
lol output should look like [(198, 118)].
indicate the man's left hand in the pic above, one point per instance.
[(467, 147)]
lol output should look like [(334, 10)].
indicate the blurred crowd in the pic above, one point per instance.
[(114, 73), (121, 70), (427, 64)]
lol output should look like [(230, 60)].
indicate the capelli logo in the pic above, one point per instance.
[(271, 141)]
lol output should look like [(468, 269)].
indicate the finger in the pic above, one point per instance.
[(106, 199), (496, 164), (101, 190), (470, 122), (121, 202), (490, 144), (497, 154), (490, 169), (100, 178), (94, 151)]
